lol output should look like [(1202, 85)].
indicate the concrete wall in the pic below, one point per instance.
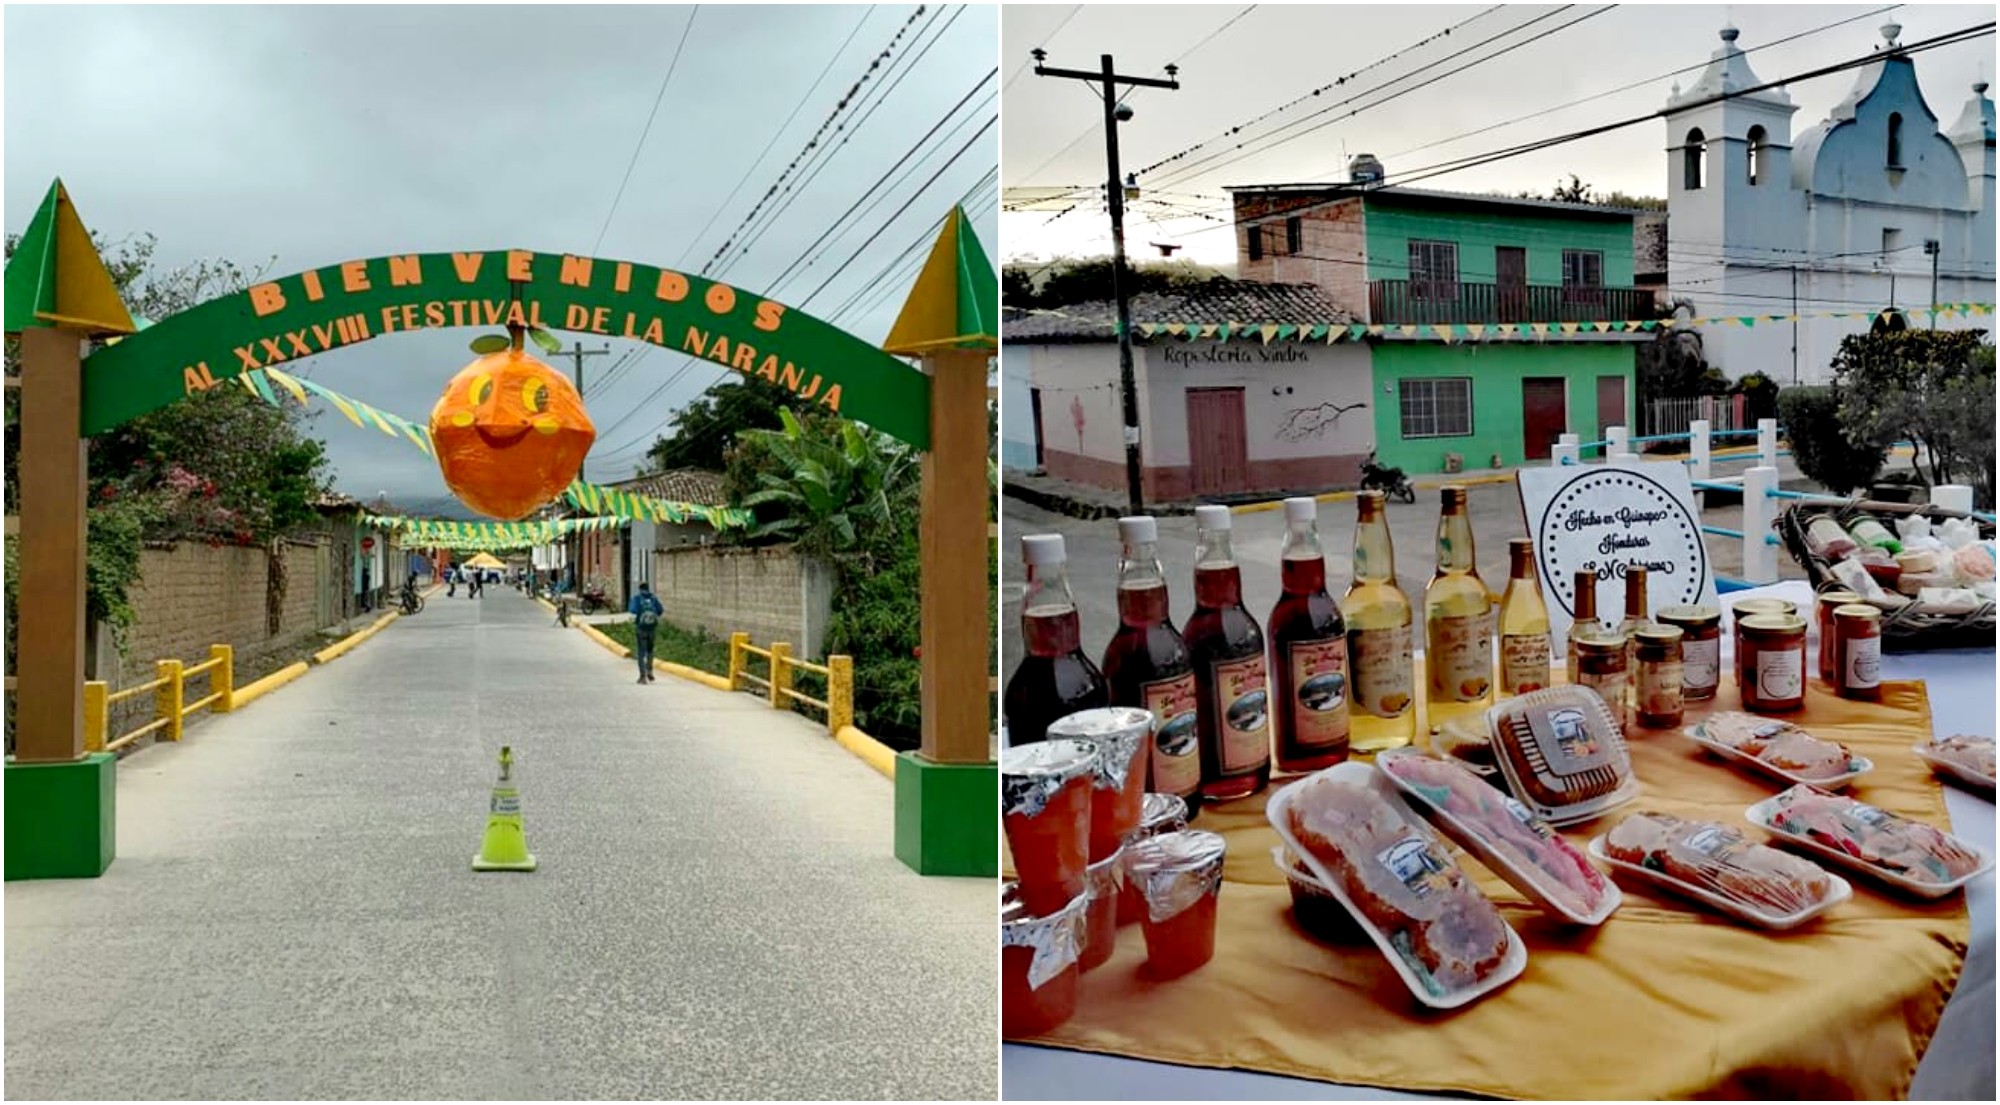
[(773, 594), (1017, 416)]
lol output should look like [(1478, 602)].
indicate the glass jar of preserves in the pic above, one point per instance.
[(1771, 663), (1750, 608), (1857, 630), (1600, 665), (1701, 648), (1658, 680), (1824, 604)]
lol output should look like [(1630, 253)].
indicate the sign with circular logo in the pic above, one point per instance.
[(1608, 519)]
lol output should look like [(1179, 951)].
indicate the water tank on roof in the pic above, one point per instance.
[(1364, 169)]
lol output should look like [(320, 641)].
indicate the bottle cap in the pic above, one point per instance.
[(1301, 510), (1142, 529), (1042, 548), (1211, 517)]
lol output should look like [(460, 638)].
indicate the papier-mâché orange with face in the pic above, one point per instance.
[(511, 434)]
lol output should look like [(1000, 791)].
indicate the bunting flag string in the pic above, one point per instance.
[(1330, 333), (597, 499)]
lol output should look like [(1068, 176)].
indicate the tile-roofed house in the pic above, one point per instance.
[(680, 485), (622, 558), (1217, 418)]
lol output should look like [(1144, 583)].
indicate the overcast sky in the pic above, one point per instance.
[(1231, 72), (319, 135)]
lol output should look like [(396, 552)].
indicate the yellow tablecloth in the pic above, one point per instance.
[(1664, 1000)]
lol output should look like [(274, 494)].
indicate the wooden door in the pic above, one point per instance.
[(1544, 414), (1218, 446), (1610, 403), (1510, 268)]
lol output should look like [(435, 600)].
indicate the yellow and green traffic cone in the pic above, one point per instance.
[(505, 847)]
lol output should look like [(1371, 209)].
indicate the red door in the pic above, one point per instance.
[(1544, 417), (1218, 448), (1610, 403)]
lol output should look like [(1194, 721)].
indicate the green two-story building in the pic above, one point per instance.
[(1494, 324)]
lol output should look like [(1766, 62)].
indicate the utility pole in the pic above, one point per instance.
[(578, 352), (1932, 249), (1114, 192), (1795, 326)]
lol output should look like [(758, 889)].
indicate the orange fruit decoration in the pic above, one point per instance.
[(511, 434)]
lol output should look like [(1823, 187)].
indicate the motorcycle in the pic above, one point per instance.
[(1386, 479), (594, 599)]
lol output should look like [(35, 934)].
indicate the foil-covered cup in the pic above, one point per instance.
[(1121, 735), (1045, 807), (1032, 774), (1038, 964), (1175, 870), (1105, 884)]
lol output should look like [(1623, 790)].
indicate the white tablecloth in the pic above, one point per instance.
[(1958, 1066)]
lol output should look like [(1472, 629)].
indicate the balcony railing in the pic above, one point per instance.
[(1403, 302)]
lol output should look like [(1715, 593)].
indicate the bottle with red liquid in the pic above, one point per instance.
[(1147, 665), (1308, 652), (1055, 678), (1232, 696)]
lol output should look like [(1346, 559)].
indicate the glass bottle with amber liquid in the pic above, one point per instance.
[(1232, 694), (1585, 625), (1309, 719), (1458, 622), (1524, 624), (1383, 706), (1637, 617), (1055, 678), (1147, 665)]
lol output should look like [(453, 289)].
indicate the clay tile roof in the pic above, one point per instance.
[(1238, 302), (681, 485)]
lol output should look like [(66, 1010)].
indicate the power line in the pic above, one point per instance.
[(1045, 40), (1272, 141), (657, 98), (775, 135)]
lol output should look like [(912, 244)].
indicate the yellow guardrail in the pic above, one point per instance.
[(838, 671), (171, 708)]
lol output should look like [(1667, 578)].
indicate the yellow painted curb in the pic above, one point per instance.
[(597, 635), (872, 752), (269, 683), (341, 647), (705, 678), (1343, 496), (546, 604)]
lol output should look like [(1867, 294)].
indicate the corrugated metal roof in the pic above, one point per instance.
[(1237, 302)]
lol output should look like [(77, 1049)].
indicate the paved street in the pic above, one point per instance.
[(718, 912), (1259, 538)]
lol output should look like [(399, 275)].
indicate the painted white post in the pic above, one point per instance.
[(1565, 453), (1767, 442), (1570, 439), (1952, 496), (1760, 557), (1617, 439), (1698, 443)]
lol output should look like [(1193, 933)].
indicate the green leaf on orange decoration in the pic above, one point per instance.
[(546, 340), (490, 343)]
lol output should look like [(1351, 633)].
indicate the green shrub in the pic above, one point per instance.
[(1822, 448)]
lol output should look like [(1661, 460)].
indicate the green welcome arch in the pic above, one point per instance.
[(330, 308)]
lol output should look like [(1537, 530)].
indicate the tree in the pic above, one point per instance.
[(1933, 388), (1088, 279), (1017, 288), (1820, 443), (705, 429)]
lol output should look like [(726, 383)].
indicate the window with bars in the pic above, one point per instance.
[(1295, 233), (1440, 407), (1583, 276), (1433, 270)]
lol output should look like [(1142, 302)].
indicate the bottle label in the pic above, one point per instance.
[(1524, 662), (1863, 668), (1319, 695), (1380, 659), (1700, 662), (1780, 673), (1610, 687), (1242, 714), (1418, 866), (1460, 657), (1176, 762)]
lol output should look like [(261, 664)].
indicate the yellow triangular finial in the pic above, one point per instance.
[(56, 279), (955, 300)]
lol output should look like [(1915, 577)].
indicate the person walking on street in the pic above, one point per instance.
[(645, 610), (451, 583)]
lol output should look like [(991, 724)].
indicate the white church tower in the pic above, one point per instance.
[(1836, 219)]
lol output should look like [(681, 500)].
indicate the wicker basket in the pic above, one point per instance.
[(1908, 629)]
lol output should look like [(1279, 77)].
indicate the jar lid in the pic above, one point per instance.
[(1659, 636), (1752, 607), (1855, 611), (1689, 617), (1600, 644), (1838, 598), (1776, 624), (1032, 774)]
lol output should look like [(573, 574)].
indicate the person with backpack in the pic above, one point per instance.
[(645, 610)]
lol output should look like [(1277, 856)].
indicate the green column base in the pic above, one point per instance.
[(62, 819), (947, 817)]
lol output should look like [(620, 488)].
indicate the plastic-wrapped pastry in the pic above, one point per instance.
[(1562, 752), (1949, 600), (1975, 754), (1875, 839), (1717, 858), (1778, 743)]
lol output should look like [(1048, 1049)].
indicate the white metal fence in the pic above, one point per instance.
[(1677, 413)]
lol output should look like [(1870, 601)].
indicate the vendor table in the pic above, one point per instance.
[(1959, 1063)]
